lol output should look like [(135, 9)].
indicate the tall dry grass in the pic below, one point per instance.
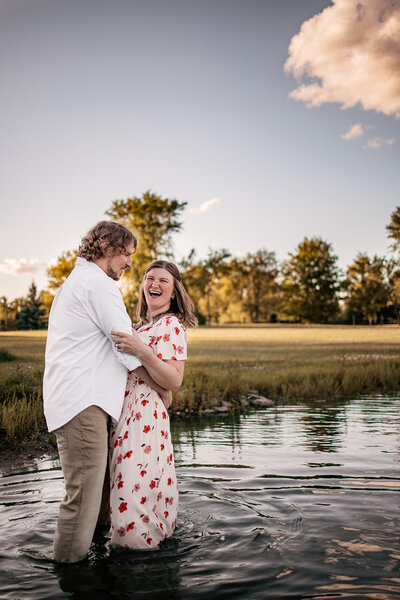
[(285, 363)]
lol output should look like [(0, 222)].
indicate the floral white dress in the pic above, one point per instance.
[(144, 491)]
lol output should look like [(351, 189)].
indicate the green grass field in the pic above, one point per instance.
[(284, 362)]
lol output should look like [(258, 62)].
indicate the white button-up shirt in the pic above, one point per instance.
[(83, 367)]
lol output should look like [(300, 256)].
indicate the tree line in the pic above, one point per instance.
[(307, 287)]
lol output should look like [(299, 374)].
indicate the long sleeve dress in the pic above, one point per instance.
[(144, 491)]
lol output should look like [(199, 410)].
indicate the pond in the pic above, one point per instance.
[(298, 501)]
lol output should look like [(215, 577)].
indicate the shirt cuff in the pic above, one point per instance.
[(129, 361)]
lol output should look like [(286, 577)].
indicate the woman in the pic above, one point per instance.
[(144, 492)]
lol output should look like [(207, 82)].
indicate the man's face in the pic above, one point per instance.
[(115, 263)]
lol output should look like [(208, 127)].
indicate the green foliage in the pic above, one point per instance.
[(394, 228), (31, 315), (259, 273), (311, 282), (367, 287), (153, 219), (201, 281)]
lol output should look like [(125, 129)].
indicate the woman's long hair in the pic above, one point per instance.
[(181, 305)]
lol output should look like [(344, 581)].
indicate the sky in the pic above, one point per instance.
[(273, 119)]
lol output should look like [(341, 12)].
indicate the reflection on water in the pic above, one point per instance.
[(297, 501)]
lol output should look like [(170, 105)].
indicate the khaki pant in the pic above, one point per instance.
[(83, 449)]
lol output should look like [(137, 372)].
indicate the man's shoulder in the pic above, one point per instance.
[(90, 276)]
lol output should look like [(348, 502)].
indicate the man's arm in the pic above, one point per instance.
[(106, 307)]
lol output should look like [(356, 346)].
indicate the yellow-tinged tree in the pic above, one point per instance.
[(153, 220)]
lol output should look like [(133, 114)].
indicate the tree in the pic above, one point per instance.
[(31, 315), (153, 219), (311, 282), (201, 281), (261, 289), (394, 228), (367, 287), (5, 307), (59, 272)]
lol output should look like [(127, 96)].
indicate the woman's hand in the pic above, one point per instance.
[(124, 342)]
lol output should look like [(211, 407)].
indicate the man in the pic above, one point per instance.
[(85, 378)]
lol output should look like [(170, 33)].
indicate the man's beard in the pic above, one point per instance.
[(113, 274)]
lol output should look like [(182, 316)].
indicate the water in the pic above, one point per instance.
[(297, 501)]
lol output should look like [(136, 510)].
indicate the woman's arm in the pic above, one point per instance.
[(167, 373), (165, 395)]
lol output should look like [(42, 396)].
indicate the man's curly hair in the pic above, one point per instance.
[(102, 237)]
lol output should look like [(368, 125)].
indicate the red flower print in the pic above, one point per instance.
[(127, 421), (144, 402), (116, 443), (149, 540), (159, 496), (119, 458), (166, 337), (166, 500), (174, 347), (177, 330), (146, 429), (125, 436), (180, 349), (138, 416), (155, 414), (122, 507), (130, 526), (147, 449), (166, 435), (166, 513), (173, 358), (169, 481), (121, 531), (143, 500), (161, 525), (140, 382), (162, 446), (159, 355), (146, 519), (159, 337), (164, 415), (111, 510), (136, 487), (143, 473), (120, 484), (152, 484), (168, 320), (126, 393), (128, 454), (162, 432), (152, 340)]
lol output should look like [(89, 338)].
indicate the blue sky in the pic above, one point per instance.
[(103, 100)]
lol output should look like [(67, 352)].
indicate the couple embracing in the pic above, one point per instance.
[(106, 389)]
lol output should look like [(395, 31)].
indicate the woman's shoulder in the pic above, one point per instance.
[(169, 321)]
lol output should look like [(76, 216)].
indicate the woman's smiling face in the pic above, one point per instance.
[(158, 289)]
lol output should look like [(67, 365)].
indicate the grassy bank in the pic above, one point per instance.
[(285, 363)]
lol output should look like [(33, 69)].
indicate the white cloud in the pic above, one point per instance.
[(376, 143), (354, 132), (21, 266), (204, 207), (349, 54)]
